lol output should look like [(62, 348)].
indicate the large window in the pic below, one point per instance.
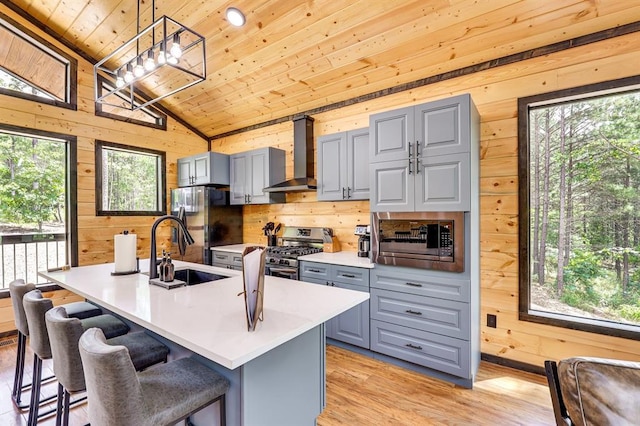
[(38, 215), (579, 169), (33, 69), (129, 180)]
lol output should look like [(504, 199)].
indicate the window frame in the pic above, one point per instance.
[(609, 328), (161, 174), (71, 77), (162, 117)]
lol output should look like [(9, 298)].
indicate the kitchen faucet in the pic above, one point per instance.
[(153, 271)]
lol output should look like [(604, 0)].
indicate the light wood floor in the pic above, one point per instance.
[(364, 391)]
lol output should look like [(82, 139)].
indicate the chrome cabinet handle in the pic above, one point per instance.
[(314, 270), (409, 345), (409, 311), (249, 198), (417, 157), (348, 275), (410, 162), (413, 284), (348, 190), (343, 196)]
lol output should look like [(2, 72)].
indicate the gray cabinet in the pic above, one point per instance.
[(351, 326), (420, 156), (423, 319), (252, 171), (208, 168), (343, 166), (226, 259)]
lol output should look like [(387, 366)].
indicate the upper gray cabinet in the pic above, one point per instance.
[(343, 166), (420, 156), (252, 171), (208, 168)]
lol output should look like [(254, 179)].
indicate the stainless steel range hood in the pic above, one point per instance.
[(303, 179)]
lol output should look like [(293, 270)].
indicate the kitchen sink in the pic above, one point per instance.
[(194, 276), (187, 276)]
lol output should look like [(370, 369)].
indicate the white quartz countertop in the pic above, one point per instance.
[(210, 318), (343, 258), (235, 248)]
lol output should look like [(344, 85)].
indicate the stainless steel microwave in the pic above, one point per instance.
[(428, 240)]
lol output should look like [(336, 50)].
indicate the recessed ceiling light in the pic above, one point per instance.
[(235, 17)]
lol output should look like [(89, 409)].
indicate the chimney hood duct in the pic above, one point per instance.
[(303, 163)]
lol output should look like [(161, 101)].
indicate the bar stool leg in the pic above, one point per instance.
[(16, 393), (35, 391), (59, 405)]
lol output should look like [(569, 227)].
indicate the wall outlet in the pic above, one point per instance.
[(492, 321)]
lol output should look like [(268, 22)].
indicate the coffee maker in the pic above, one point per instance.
[(364, 242)]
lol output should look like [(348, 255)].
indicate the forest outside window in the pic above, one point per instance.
[(129, 180), (579, 174)]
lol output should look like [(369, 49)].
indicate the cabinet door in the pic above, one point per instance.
[(443, 183), (358, 164), (257, 176), (392, 186), (201, 169), (442, 127), (332, 167), (238, 178), (390, 134), (352, 326), (185, 171)]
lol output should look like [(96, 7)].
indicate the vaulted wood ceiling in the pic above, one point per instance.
[(296, 55)]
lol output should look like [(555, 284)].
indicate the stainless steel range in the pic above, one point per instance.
[(282, 260)]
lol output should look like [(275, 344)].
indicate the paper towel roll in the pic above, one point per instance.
[(125, 252)]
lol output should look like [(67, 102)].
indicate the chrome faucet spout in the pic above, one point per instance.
[(153, 271)]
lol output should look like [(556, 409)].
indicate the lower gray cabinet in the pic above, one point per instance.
[(423, 319), (351, 326)]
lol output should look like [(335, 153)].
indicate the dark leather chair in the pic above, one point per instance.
[(594, 391)]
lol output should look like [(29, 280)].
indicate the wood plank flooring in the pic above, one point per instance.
[(364, 391)]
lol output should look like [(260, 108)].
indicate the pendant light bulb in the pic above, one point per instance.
[(138, 70), (128, 75), (176, 50), (150, 63), (162, 58), (119, 80), (172, 60)]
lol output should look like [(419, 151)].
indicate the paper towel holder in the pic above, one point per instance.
[(137, 270)]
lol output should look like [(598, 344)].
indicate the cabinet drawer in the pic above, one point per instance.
[(221, 257), (446, 317), (351, 275), (315, 270), (431, 350), (422, 285)]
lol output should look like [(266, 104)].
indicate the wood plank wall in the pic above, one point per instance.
[(95, 234), (495, 93)]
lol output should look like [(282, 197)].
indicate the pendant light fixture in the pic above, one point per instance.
[(180, 63)]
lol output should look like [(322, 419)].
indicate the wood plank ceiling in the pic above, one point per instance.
[(296, 55)]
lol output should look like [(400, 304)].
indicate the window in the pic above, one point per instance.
[(129, 180), (579, 174), (147, 116), (31, 68), (38, 214)]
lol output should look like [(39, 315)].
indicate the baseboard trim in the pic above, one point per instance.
[(517, 365)]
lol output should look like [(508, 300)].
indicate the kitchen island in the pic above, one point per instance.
[(276, 372)]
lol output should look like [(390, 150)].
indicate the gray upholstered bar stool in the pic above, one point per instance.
[(17, 289), (64, 335), (163, 395), (35, 307)]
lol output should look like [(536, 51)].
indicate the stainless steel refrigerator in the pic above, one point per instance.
[(210, 219)]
